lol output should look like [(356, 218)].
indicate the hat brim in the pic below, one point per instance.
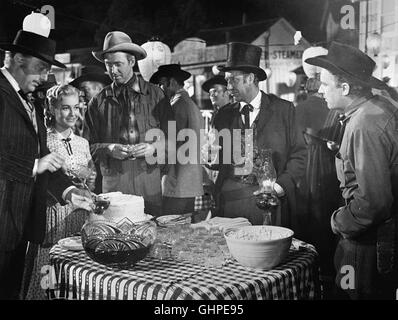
[(249, 69), (208, 84), (181, 74), (132, 48), (102, 78), (323, 62), (15, 48)]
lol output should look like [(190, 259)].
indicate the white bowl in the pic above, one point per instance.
[(261, 247)]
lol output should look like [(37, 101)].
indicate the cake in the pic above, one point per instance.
[(122, 206)]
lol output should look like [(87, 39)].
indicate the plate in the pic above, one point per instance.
[(71, 243), (173, 219)]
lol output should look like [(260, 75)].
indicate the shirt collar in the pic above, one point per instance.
[(354, 106), (60, 136), (10, 79), (133, 83), (255, 103)]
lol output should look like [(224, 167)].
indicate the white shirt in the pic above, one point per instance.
[(255, 103)]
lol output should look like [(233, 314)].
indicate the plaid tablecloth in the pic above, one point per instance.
[(76, 276)]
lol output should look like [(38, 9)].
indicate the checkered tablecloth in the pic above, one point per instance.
[(76, 276)]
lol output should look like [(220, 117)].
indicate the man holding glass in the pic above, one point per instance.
[(273, 125)]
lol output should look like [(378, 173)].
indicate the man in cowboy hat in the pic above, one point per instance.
[(183, 182), (27, 168), (274, 127), (118, 119), (367, 167)]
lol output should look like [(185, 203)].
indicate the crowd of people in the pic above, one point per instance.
[(335, 155)]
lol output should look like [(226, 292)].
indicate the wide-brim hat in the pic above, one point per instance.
[(350, 62), (169, 71), (92, 73), (244, 57), (34, 45), (119, 41), (51, 81), (208, 84)]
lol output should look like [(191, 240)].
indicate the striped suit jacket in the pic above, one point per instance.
[(23, 198)]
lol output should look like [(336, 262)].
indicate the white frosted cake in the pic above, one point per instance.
[(124, 206)]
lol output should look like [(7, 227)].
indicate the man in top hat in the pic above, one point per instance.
[(273, 125), (118, 119), (27, 168), (183, 182), (367, 167)]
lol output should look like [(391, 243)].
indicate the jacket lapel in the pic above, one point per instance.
[(265, 113), (19, 107)]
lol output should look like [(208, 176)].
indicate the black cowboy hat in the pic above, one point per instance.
[(35, 45), (208, 84), (51, 81), (244, 57), (92, 73), (169, 71), (350, 62), (119, 41)]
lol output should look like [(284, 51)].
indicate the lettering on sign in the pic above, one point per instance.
[(286, 54), (348, 280)]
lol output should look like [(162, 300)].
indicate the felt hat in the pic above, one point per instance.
[(169, 71), (92, 73), (208, 84)]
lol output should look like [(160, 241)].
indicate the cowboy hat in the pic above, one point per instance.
[(169, 71), (350, 62), (92, 73), (208, 84), (119, 41), (34, 45), (244, 57)]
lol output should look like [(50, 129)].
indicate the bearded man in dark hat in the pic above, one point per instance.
[(27, 168), (118, 119), (367, 166), (273, 125)]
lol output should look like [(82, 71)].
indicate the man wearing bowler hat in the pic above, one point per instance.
[(220, 98), (184, 181), (118, 119), (27, 168), (274, 127), (367, 167)]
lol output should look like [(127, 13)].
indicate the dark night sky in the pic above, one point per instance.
[(84, 23)]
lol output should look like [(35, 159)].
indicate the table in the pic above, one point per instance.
[(76, 276)]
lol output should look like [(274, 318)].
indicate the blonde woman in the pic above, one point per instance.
[(62, 221)]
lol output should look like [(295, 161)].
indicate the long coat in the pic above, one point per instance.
[(276, 130), (185, 180), (23, 198)]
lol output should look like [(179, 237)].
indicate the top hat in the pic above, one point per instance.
[(208, 84), (92, 73), (35, 45), (350, 62), (119, 41), (169, 71), (244, 57)]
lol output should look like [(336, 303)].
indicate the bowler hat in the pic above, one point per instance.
[(119, 41), (350, 62), (35, 45), (244, 57), (92, 73), (169, 71), (206, 86), (51, 81)]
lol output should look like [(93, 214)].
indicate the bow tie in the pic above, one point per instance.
[(341, 118), (68, 146)]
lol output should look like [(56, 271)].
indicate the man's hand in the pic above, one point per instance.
[(118, 151), (143, 150), (51, 162), (80, 199)]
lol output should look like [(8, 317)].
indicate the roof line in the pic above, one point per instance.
[(239, 26)]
